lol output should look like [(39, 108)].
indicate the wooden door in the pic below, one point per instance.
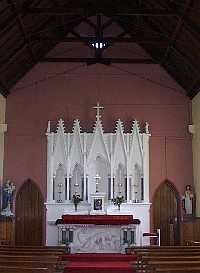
[(166, 213), (29, 215)]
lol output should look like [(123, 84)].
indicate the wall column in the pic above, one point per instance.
[(146, 166), (3, 129), (195, 130), (84, 166), (50, 174)]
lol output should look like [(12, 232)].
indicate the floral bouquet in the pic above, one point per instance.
[(76, 200), (118, 200)]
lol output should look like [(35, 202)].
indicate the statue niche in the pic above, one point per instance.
[(102, 170), (59, 184), (120, 182), (99, 176), (76, 185), (137, 184)]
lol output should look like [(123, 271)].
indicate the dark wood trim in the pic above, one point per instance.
[(80, 11), (98, 60)]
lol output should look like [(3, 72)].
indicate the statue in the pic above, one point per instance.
[(146, 128), (7, 193), (188, 200)]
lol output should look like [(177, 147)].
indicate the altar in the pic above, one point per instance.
[(94, 169), (97, 234)]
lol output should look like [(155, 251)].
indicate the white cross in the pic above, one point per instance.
[(97, 177), (98, 108)]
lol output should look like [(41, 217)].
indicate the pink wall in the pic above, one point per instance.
[(52, 91)]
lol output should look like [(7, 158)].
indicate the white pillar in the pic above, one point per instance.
[(132, 191), (88, 185), (128, 170), (146, 166), (50, 140), (128, 187), (68, 177), (68, 165), (111, 167), (84, 166)]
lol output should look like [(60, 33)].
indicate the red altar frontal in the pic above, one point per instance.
[(98, 233), (98, 219)]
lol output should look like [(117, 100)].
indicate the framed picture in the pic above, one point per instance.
[(98, 204)]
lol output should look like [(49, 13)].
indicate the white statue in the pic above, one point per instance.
[(188, 199), (8, 190), (147, 128)]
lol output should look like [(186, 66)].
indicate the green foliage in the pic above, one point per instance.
[(128, 242), (66, 242), (117, 201), (76, 199)]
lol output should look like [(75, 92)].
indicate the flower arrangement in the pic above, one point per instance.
[(118, 200), (76, 200)]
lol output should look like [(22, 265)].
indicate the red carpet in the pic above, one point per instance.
[(97, 263)]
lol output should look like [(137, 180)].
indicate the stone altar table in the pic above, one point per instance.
[(97, 233)]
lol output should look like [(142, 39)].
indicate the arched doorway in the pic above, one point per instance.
[(166, 213), (29, 215)]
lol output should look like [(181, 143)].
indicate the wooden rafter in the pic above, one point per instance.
[(187, 22), (177, 30), (23, 31), (89, 22), (99, 60), (13, 17), (21, 48), (13, 57), (163, 42), (80, 11)]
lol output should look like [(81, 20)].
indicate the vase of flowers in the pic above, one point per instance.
[(118, 200), (76, 200)]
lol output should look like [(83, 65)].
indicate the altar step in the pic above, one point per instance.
[(83, 257), (106, 263)]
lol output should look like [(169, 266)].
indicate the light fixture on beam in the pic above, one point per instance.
[(98, 45)]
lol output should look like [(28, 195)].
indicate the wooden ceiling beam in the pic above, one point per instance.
[(160, 41), (108, 23), (191, 26), (23, 31), (89, 22), (98, 60), (13, 17), (20, 49), (177, 30), (185, 59), (13, 57), (63, 30), (81, 11), (191, 92)]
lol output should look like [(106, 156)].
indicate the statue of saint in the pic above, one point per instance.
[(7, 193), (188, 200), (146, 128)]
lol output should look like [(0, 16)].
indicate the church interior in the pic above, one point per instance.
[(99, 136)]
